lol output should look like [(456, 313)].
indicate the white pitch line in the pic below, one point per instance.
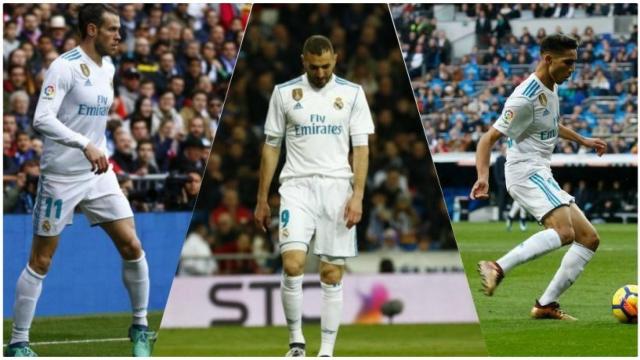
[(86, 341)]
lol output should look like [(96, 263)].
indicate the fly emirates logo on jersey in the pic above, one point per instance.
[(101, 108), (317, 126)]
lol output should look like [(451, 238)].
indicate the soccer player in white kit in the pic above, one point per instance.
[(530, 119), (71, 114), (317, 113)]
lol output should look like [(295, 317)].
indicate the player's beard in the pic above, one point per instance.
[(102, 50), (318, 83)]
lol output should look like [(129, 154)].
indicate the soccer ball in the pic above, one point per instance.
[(625, 304)]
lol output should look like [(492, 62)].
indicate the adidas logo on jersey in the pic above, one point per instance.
[(88, 83), (298, 106), (545, 112)]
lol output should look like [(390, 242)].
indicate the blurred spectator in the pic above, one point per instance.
[(196, 253), (21, 197), (186, 199), (145, 159), (123, 157)]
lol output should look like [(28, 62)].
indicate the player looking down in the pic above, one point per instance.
[(531, 121), (317, 114), (71, 114)]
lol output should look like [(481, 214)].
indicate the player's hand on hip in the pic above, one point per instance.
[(97, 158), (599, 145), (480, 190), (262, 215), (353, 211)]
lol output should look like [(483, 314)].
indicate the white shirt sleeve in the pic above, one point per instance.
[(516, 117), (57, 83), (275, 123), (361, 121)]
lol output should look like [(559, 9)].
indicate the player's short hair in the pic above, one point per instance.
[(92, 14), (557, 43), (317, 45)]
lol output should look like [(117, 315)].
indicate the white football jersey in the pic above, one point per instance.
[(72, 112), (317, 124), (530, 119)]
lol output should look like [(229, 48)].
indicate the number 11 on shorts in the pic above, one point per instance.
[(51, 203)]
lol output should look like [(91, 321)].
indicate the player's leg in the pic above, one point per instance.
[(293, 260), (515, 207), (558, 232), (551, 207), (53, 210), (296, 227), (135, 275), (523, 219), (331, 271), (135, 270), (579, 254), (28, 291), (105, 205)]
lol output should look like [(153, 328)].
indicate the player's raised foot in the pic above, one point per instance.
[(550, 311), (20, 349), (296, 350), (491, 275), (142, 340)]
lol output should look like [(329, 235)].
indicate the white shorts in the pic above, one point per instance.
[(99, 198), (315, 206), (539, 194)]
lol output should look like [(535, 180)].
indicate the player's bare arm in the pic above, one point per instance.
[(268, 164), (599, 145), (480, 190), (353, 210)]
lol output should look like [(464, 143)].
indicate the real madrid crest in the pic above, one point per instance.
[(543, 99), (85, 69), (338, 104), (296, 94), (46, 226)]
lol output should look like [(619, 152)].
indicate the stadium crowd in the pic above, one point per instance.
[(400, 210), (461, 96), (172, 72)]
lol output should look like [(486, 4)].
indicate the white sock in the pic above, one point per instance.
[(28, 291), (538, 244), (523, 213), (135, 274), (291, 292), (330, 316), (571, 267)]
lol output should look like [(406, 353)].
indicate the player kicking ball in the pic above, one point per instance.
[(72, 114), (317, 113), (531, 120)]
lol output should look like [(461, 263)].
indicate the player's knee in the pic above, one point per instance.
[(590, 240), (131, 250), (40, 263), (566, 233), (293, 268), (330, 276)]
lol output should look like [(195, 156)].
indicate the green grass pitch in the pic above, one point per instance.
[(504, 318), (353, 340), (106, 333)]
